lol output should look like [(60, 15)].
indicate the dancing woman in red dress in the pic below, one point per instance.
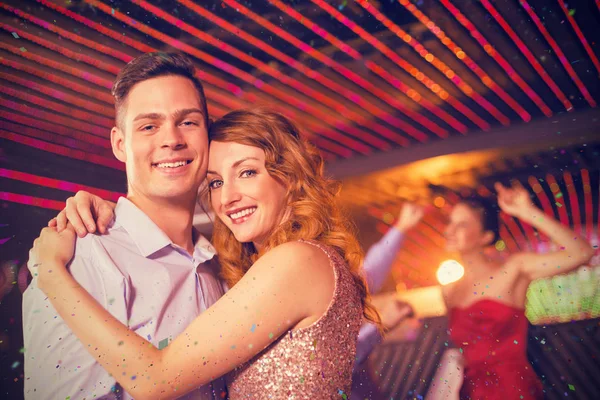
[(486, 307)]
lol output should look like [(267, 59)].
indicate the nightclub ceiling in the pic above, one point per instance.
[(373, 84)]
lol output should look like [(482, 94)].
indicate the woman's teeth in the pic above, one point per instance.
[(242, 213), (171, 164)]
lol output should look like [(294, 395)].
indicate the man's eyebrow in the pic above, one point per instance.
[(182, 113), (178, 114), (149, 116)]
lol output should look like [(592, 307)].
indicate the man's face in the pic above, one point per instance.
[(163, 140)]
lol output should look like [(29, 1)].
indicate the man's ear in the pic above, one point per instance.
[(117, 141)]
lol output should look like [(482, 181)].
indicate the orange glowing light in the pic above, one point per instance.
[(439, 202)]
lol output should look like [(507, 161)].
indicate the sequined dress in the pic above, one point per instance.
[(314, 362)]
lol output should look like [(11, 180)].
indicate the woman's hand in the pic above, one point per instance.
[(409, 216), (50, 254), (514, 201), (84, 211)]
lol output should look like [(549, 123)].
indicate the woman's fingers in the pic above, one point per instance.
[(72, 215)]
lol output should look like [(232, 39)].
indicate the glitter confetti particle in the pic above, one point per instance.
[(15, 364), (558, 204), (111, 301), (558, 195), (571, 387), (121, 343), (16, 35), (270, 336), (253, 328), (515, 342), (23, 49), (163, 343)]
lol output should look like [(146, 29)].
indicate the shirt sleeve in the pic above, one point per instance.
[(368, 338), (57, 365), (380, 257)]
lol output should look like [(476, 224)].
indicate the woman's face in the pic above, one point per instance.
[(243, 195), (464, 232)]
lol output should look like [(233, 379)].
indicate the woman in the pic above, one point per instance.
[(287, 328), (486, 307)]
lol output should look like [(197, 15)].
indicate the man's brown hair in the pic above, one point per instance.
[(152, 65)]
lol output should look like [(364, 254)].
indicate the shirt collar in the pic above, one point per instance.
[(147, 236)]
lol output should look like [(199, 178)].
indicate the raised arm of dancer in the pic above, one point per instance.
[(291, 283), (381, 255), (574, 249), (378, 262)]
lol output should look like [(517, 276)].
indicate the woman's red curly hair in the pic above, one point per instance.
[(314, 212)]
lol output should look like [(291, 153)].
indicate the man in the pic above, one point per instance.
[(150, 269), (378, 262)]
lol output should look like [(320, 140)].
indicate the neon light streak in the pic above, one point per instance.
[(111, 51), (32, 201), (589, 210), (53, 138), (394, 57), (468, 61), (101, 133), (573, 201), (559, 53), (437, 63), (489, 49), (63, 151), (580, 35), (57, 65), (372, 66), (58, 184), (558, 201), (515, 231), (312, 74), (286, 79), (57, 94), (62, 50), (206, 77), (508, 240), (59, 108), (90, 44), (528, 55), (543, 199), (40, 121), (259, 84), (353, 77), (54, 78)]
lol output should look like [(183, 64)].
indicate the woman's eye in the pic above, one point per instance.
[(215, 184), (248, 173)]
